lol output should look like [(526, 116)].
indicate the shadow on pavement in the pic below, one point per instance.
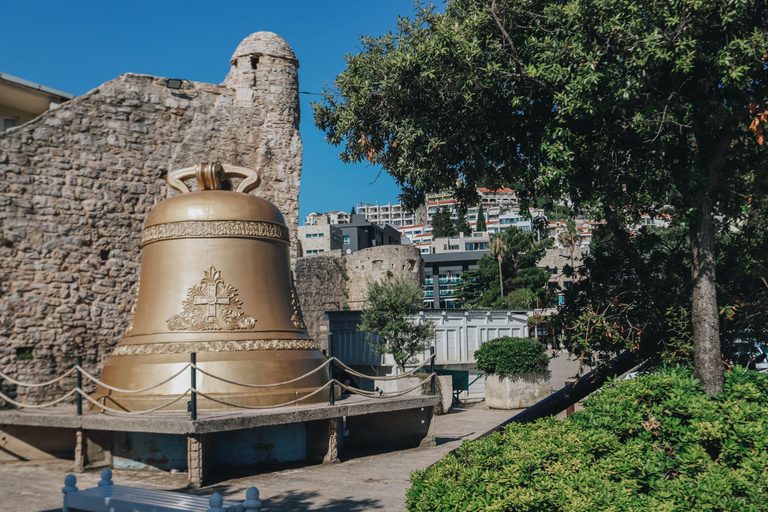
[(295, 500), (442, 440)]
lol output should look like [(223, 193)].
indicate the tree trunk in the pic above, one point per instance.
[(707, 358), (501, 281)]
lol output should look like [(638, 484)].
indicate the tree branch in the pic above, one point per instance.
[(515, 55)]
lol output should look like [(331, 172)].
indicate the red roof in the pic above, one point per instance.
[(485, 190)]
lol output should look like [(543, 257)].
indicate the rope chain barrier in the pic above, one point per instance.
[(100, 383), (326, 363), (394, 394), (36, 406), (265, 406), (105, 408), (392, 377), (130, 413), (38, 385)]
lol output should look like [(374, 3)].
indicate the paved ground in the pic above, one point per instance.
[(376, 482)]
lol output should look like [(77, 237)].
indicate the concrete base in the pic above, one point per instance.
[(314, 433), (516, 391), (398, 430), (445, 389)]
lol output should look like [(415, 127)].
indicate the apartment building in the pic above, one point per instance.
[(359, 234), (336, 217), (393, 214), (319, 237)]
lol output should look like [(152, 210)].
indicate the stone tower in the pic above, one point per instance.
[(77, 182)]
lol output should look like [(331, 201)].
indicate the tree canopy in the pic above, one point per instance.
[(623, 106), (480, 224), (462, 226), (388, 305), (524, 284), (442, 225)]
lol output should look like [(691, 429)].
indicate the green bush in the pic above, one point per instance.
[(506, 356), (653, 443)]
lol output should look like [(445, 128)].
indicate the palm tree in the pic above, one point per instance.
[(499, 248), (570, 238)]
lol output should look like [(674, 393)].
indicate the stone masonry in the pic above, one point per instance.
[(334, 281), (76, 185)]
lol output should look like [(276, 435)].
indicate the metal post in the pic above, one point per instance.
[(193, 396), (78, 396), (332, 387), (432, 370)]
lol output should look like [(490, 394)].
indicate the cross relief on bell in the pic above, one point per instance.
[(206, 308), (212, 300)]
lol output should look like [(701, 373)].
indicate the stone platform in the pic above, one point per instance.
[(313, 433)]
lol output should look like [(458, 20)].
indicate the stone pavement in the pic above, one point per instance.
[(372, 482)]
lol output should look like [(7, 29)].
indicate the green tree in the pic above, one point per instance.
[(462, 226), (387, 307), (634, 292), (524, 285), (442, 225), (353, 212), (570, 238), (480, 225), (622, 106), (499, 248)]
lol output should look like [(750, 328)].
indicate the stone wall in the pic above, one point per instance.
[(376, 263), (335, 281), (77, 183), (557, 258)]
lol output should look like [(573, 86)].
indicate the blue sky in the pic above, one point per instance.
[(78, 45)]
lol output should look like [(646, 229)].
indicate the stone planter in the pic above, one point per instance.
[(516, 391)]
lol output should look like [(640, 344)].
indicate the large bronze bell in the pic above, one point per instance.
[(215, 280)]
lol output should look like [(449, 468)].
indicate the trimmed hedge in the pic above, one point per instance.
[(653, 443), (507, 355)]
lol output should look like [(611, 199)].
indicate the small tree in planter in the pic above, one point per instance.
[(516, 372)]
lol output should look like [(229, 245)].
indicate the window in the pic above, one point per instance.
[(346, 239), (9, 122)]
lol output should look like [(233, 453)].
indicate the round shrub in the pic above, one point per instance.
[(507, 356), (653, 443)]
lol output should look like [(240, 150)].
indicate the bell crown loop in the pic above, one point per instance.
[(210, 175)]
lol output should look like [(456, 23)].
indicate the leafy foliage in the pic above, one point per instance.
[(525, 285), (388, 304), (442, 225), (480, 224), (462, 226), (570, 238), (633, 293), (655, 443), (507, 356), (623, 106)]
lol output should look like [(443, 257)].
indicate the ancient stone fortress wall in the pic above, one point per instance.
[(76, 185), (335, 281)]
